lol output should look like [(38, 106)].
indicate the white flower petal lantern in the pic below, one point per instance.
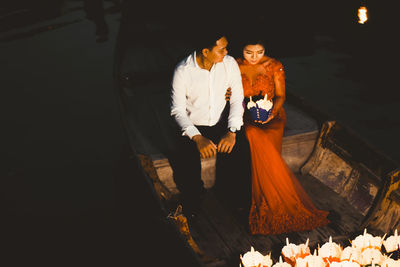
[(281, 263), (346, 263), (267, 261), (392, 243), (254, 258), (289, 252), (368, 241), (311, 261), (371, 256), (303, 249), (362, 241), (388, 262), (351, 253), (330, 251)]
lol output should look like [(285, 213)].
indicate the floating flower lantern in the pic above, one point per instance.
[(367, 241), (351, 253), (304, 250), (330, 251), (281, 263), (388, 262), (392, 243), (311, 261), (267, 261), (371, 256), (346, 263), (291, 251), (254, 258)]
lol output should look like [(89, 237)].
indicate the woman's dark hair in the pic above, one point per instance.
[(252, 38), (245, 36)]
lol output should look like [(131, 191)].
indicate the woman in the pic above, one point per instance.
[(279, 203)]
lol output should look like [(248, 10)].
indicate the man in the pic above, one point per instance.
[(207, 124)]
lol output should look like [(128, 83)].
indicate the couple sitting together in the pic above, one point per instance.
[(249, 168)]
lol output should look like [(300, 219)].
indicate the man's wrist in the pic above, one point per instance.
[(231, 134), (196, 137), (232, 129)]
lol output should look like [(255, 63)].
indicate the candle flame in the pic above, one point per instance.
[(362, 15)]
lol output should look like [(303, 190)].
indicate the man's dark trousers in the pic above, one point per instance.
[(233, 171)]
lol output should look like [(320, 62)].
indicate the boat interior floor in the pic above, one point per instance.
[(218, 231), (222, 233)]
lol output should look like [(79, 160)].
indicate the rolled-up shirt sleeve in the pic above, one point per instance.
[(178, 104), (235, 118)]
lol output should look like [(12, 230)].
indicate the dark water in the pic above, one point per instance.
[(67, 196)]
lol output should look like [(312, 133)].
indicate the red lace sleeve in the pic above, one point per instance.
[(278, 70)]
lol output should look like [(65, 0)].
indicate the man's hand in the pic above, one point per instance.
[(227, 143), (205, 146)]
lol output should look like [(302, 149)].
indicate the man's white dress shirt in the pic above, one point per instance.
[(198, 95)]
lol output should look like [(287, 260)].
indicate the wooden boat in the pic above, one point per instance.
[(340, 171)]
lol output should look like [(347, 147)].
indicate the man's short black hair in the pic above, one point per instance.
[(207, 37)]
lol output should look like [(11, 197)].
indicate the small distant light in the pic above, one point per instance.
[(362, 15)]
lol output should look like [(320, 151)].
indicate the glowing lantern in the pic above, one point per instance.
[(330, 251), (281, 263), (266, 261), (311, 261), (362, 15), (254, 258), (351, 253), (289, 252), (371, 256), (392, 243), (346, 263), (292, 251), (367, 241), (304, 250), (388, 262)]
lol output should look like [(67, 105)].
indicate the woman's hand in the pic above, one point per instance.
[(227, 143), (270, 117), (205, 146), (266, 121)]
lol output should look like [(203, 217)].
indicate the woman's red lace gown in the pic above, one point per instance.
[(279, 202)]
